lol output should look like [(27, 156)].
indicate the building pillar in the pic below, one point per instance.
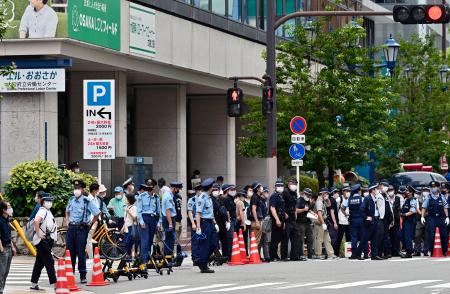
[(182, 150), (28, 129)]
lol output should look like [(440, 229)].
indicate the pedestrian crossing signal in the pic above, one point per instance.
[(421, 14), (267, 103), (234, 100)]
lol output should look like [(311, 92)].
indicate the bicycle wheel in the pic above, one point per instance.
[(113, 246), (59, 247)]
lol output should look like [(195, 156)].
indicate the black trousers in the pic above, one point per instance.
[(305, 231), (276, 236), (44, 258), (381, 235), (394, 236), (290, 234), (224, 241), (342, 230)]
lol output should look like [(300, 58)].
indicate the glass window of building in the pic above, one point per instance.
[(203, 4), (250, 12), (185, 1), (218, 7), (235, 9)]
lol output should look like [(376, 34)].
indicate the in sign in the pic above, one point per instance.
[(298, 125)]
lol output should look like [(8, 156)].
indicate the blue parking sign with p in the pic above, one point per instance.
[(99, 93)]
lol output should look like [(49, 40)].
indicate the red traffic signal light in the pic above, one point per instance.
[(267, 101), (421, 14), (234, 100)]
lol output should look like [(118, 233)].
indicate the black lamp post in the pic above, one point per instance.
[(390, 50)]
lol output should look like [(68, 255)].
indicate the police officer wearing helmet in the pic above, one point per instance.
[(168, 212), (355, 217), (278, 214), (78, 220), (290, 231), (304, 223), (370, 216), (408, 213), (206, 231), (437, 207)]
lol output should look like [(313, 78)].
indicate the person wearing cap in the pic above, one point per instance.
[(94, 190), (394, 231), (321, 227), (332, 212), (256, 211), (437, 208), (168, 212), (148, 213), (352, 209), (191, 211), (343, 224), (302, 207), (266, 226), (370, 216), (240, 211), (385, 219), (79, 221), (290, 228), (408, 213), (421, 232), (278, 214), (220, 217), (116, 206), (178, 200), (75, 167), (38, 200), (206, 232), (45, 236), (226, 200), (128, 186)]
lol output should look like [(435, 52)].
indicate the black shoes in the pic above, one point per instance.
[(377, 258), (204, 269), (407, 255)]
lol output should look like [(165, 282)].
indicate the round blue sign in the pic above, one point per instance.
[(297, 151)]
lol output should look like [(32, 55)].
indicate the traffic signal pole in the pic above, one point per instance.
[(272, 25)]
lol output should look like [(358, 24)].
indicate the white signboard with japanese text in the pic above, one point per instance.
[(98, 119), (142, 30), (34, 80)]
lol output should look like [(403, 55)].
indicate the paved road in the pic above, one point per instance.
[(419, 275)]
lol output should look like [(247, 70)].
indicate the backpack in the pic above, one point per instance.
[(29, 229)]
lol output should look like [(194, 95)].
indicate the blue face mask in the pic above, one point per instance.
[(435, 190)]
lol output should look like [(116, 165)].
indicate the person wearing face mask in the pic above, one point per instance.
[(278, 214), (221, 217), (437, 208), (266, 226), (226, 233), (304, 223), (169, 212), (248, 215), (421, 232), (240, 211), (98, 201), (290, 230), (78, 219), (394, 230), (206, 232), (256, 215), (75, 167), (44, 237), (332, 213), (408, 213), (351, 207), (370, 215), (385, 219), (37, 199), (178, 200), (116, 206), (128, 186), (192, 211), (7, 249), (321, 227), (343, 224)]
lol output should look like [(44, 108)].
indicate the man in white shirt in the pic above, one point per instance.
[(38, 21)]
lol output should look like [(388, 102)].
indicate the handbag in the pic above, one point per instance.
[(266, 225), (135, 232)]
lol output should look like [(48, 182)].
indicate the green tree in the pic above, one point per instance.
[(418, 128), (341, 87)]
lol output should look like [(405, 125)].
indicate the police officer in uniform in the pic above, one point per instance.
[(168, 212), (178, 200), (355, 217), (394, 231), (421, 231), (408, 214), (370, 216), (304, 223), (278, 214), (437, 207), (226, 232), (290, 231), (206, 232), (128, 187), (148, 212), (78, 218), (192, 211)]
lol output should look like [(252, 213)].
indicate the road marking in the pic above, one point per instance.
[(18, 283), (19, 275), (302, 285), (440, 259), (353, 284), (151, 290), (446, 285), (407, 259), (405, 284), (246, 287), (197, 288)]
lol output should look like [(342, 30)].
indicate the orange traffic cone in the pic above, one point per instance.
[(254, 252), (61, 282), (244, 258), (236, 252), (97, 273), (437, 249), (69, 274)]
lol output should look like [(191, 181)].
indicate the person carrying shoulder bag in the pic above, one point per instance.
[(44, 237), (130, 228)]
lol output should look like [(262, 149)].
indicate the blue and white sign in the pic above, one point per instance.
[(297, 151), (99, 119), (34, 80)]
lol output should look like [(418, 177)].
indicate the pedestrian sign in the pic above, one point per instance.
[(297, 151), (298, 125)]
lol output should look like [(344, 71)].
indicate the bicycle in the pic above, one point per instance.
[(111, 242)]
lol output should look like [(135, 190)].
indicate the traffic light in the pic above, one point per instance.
[(267, 103), (234, 100), (421, 14)]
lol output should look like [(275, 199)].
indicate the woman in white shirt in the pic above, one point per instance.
[(44, 237), (130, 228)]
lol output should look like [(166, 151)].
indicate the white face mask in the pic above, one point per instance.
[(215, 193), (261, 189), (232, 193), (48, 204), (279, 189), (306, 198), (426, 194), (10, 211), (366, 194), (76, 170), (103, 194), (346, 194), (435, 190), (119, 196), (385, 189), (293, 188), (336, 195), (250, 193), (326, 196), (77, 193), (391, 193)]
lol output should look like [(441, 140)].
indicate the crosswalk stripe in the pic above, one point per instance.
[(246, 287), (151, 290), (18, 282), (15, 278), (440, 259), (301, 285), (197, 288), (353, 284), (405, 284), (446, 285), (18, 274), (408, 259)]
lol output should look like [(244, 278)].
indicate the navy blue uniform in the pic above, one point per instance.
[(208, 244), (435, 205), (408, 229), (368, 209), (356, 221), (277, 202)]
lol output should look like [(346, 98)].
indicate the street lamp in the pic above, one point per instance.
[(354, 24), (443, 74), (309, 27), (390, 50)]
